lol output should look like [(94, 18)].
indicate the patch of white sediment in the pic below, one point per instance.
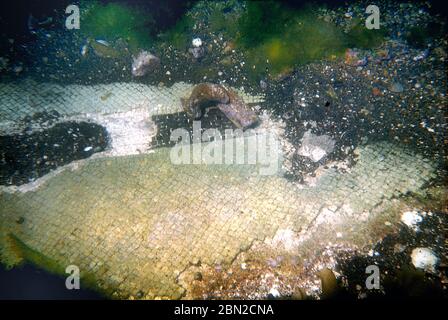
[(315, 147), (130, 132), (276, 127)]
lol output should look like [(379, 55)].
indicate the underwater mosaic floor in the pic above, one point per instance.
[(143, 222), (72, 100)]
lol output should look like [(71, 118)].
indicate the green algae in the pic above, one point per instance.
[(308, 42), (278, 38), (115, 21), (261, 21), (289, 38), (222, 19), (179, 35), (275, 38), (361, 37)]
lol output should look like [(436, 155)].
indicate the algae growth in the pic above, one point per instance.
[(178, 35), (275, 38), (278, 38), (115, 21)]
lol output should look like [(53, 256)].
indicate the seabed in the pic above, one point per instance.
[(88, 179), (144, 226)]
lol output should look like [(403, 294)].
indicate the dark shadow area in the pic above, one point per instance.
[(26, 156), (399, 279), (30, 283), (212, 119)]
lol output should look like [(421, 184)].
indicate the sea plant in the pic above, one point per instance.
[(113, 21)]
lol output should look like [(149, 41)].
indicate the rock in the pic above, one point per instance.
[(144, 63), (104, 50), (238, 112), (362, 62), (206, 95), (411, 219), (197, 52), (315, 147), (196, 42), (425, 259), (399, 248), (282, 75), (202, 96), (396, 87), (376, 92)]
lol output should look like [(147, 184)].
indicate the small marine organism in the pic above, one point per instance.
[(144, 63), (198, 51), (422, 55), (206, 95), (100, 48), (352, 58), (84, 49), (103, 42)]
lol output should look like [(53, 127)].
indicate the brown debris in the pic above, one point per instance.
[(206, 95)]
